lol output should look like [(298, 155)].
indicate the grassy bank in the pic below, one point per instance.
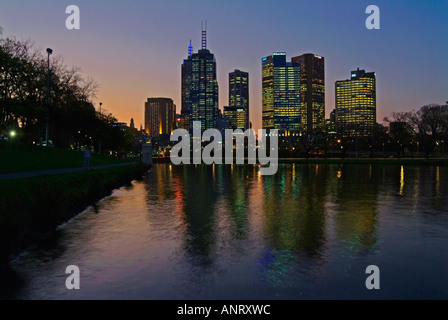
[(386, 161), (19, 157), (31, 208)]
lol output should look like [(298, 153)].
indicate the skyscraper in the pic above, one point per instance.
[(356, 104), (281, 94), (199, 88), (239, 95), (160, 117), (312, 83)]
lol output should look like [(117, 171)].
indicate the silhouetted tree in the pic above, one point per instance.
[(429, 124), (73, 119), (400, 131)]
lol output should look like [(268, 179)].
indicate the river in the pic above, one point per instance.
[(227, 232)]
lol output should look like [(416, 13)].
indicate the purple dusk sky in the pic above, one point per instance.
[(134, 49)]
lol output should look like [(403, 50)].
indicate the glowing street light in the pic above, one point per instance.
[(12, 134)]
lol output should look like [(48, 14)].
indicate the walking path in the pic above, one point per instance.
[(31, 174)]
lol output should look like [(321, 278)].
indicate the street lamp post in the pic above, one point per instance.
[(47, 127), (99, 140)]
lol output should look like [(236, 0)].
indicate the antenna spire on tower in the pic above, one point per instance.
[(190, 49), (204, 34)]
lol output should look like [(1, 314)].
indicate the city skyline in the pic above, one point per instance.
[(183, 151), (140, 59)]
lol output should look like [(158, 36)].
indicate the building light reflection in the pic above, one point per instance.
[(401, 180)]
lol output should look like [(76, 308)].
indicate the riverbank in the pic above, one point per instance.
[(384, 161), (32, 208), (21, 157)]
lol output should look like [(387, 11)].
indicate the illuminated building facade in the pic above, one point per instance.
[(199, 88), (312, 87), (356, 104), (160, 117), (239, 96), (237, 116), (281, 94)]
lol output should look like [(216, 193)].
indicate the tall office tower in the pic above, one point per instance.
[(281, 94), (239, 94), (199, 88), (160, 116), (312, 83), (356, 104)]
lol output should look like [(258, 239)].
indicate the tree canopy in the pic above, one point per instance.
[(73, 120)]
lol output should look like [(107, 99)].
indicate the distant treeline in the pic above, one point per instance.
[(424, 130)]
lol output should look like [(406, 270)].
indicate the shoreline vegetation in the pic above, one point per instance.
[(32, 208)]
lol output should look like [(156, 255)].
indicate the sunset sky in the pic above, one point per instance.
[(134, 49)]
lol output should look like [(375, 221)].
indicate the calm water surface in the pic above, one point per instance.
[(226, 232)]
